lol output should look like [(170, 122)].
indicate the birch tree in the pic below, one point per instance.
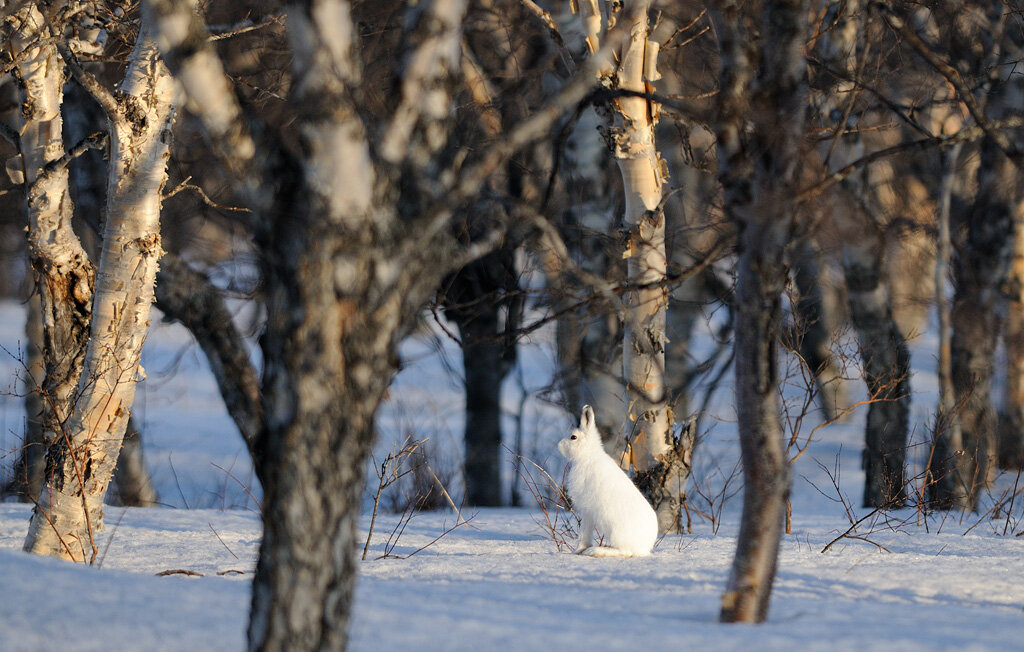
[(661, 459), (81, 460), (761, 107), (982, 230), (863, 231), (63, 273), (353, 230), (1011, 410)]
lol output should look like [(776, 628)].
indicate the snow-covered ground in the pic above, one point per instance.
[(500, 582)]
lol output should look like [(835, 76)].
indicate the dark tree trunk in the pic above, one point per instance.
[(474, 298), (886, 364), (134, 486), (328, 360), (760, 280), (188, 296), (980, 270), (29, 470), (761, 109), (1011, 413), (813, 327)]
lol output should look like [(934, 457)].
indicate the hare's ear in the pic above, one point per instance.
[(587, 421)]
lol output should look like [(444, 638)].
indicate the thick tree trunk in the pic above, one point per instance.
[(763, 81), (326, 371), (338, 300), (80, 462)]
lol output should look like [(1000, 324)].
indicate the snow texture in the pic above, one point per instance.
[(506, 580)]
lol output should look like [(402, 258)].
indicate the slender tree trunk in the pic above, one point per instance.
[(648, 423), (883, 349), (981, 268), (28, 472), (763, 81), (760, 281), (473, 298), (134, 486), (815, 330), (661, 459), (81, 461), (946, 460), (1011, 412), (886, 365), (188, 296)]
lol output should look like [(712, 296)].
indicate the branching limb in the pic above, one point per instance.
[(951, 75), (100, 93)]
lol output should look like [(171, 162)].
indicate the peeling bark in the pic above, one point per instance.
[(82, 459), (62, 270)]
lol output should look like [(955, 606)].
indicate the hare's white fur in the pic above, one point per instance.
[(605, 498)]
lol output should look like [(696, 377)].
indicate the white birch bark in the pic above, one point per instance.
[(63, 272), (661, 461), (80, 464)]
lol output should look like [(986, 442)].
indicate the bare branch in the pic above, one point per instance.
[(965, 135), (97, 140), (100, 93), (953, 77)]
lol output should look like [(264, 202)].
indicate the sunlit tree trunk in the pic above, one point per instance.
[(661, 459), (763, 83), (81, 460), (63, 273)]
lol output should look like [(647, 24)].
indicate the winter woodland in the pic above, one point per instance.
[(336, 324)]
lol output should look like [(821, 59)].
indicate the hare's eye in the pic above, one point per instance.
[(573, 437)]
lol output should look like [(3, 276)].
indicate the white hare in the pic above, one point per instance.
[(604, 497)]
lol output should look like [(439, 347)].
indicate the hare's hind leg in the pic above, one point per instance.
[(606, 551)]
